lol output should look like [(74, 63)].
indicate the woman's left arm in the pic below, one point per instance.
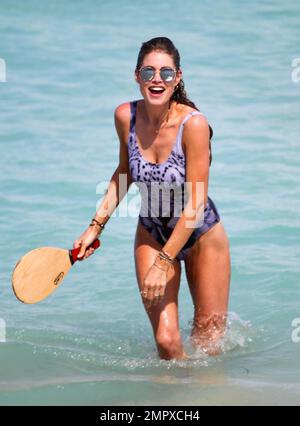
[(195, 139)]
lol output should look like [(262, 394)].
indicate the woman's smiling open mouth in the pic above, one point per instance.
[(156, 91)]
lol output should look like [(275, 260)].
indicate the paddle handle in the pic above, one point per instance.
[(74, 252)]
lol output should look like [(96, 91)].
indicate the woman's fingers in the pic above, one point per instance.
[(156, 299), (76, 244), (153, 295), (84, 241), (88, 252), (161, 290), (82, 251), (85, 252), (144, 294), (153, 288)]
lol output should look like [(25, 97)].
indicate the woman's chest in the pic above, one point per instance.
[(156, 147)]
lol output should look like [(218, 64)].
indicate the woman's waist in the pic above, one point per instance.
[(161, 213)]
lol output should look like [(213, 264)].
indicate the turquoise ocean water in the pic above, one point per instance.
[(68, 65)]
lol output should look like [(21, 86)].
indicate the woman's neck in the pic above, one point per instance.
[(155, 115)]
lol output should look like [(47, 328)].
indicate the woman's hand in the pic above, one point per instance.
[(86, 239), (154, 285)]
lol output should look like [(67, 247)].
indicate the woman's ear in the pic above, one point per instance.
[(178, 76)]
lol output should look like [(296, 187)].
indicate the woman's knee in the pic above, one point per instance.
[(169, 343), (208, 332)]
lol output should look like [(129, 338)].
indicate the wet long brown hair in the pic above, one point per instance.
[(165, 45)]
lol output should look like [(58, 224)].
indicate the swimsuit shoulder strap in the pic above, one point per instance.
[(179, 136), (189, 115), (131, 135), (133, 106)]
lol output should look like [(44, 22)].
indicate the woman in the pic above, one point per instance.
[(147, 129)]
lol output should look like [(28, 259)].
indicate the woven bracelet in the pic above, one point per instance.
[(102, 226), (165, 256)]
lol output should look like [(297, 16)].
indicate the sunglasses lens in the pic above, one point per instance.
[(167, 74), (146, 74)]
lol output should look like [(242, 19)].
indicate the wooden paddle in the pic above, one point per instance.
[(40, 272)]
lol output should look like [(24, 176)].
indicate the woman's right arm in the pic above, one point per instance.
[(115, 191)]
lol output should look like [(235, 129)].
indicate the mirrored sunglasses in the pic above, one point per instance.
[(167, 74)]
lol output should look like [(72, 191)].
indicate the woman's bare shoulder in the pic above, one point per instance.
[(122, 112), (183, 109), (122, 116)]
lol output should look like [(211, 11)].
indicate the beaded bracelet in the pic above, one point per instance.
[(165, 256), (164, 259)]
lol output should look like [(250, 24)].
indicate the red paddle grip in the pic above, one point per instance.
[(74, 253)]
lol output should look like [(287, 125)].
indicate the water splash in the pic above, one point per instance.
[(136, 352), (239, 335)]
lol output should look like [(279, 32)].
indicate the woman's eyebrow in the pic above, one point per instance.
[(165, 66)]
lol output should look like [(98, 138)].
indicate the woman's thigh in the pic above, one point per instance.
[(163, 316), (208, 271)]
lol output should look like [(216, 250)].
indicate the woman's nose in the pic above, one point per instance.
[(157, 77)]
